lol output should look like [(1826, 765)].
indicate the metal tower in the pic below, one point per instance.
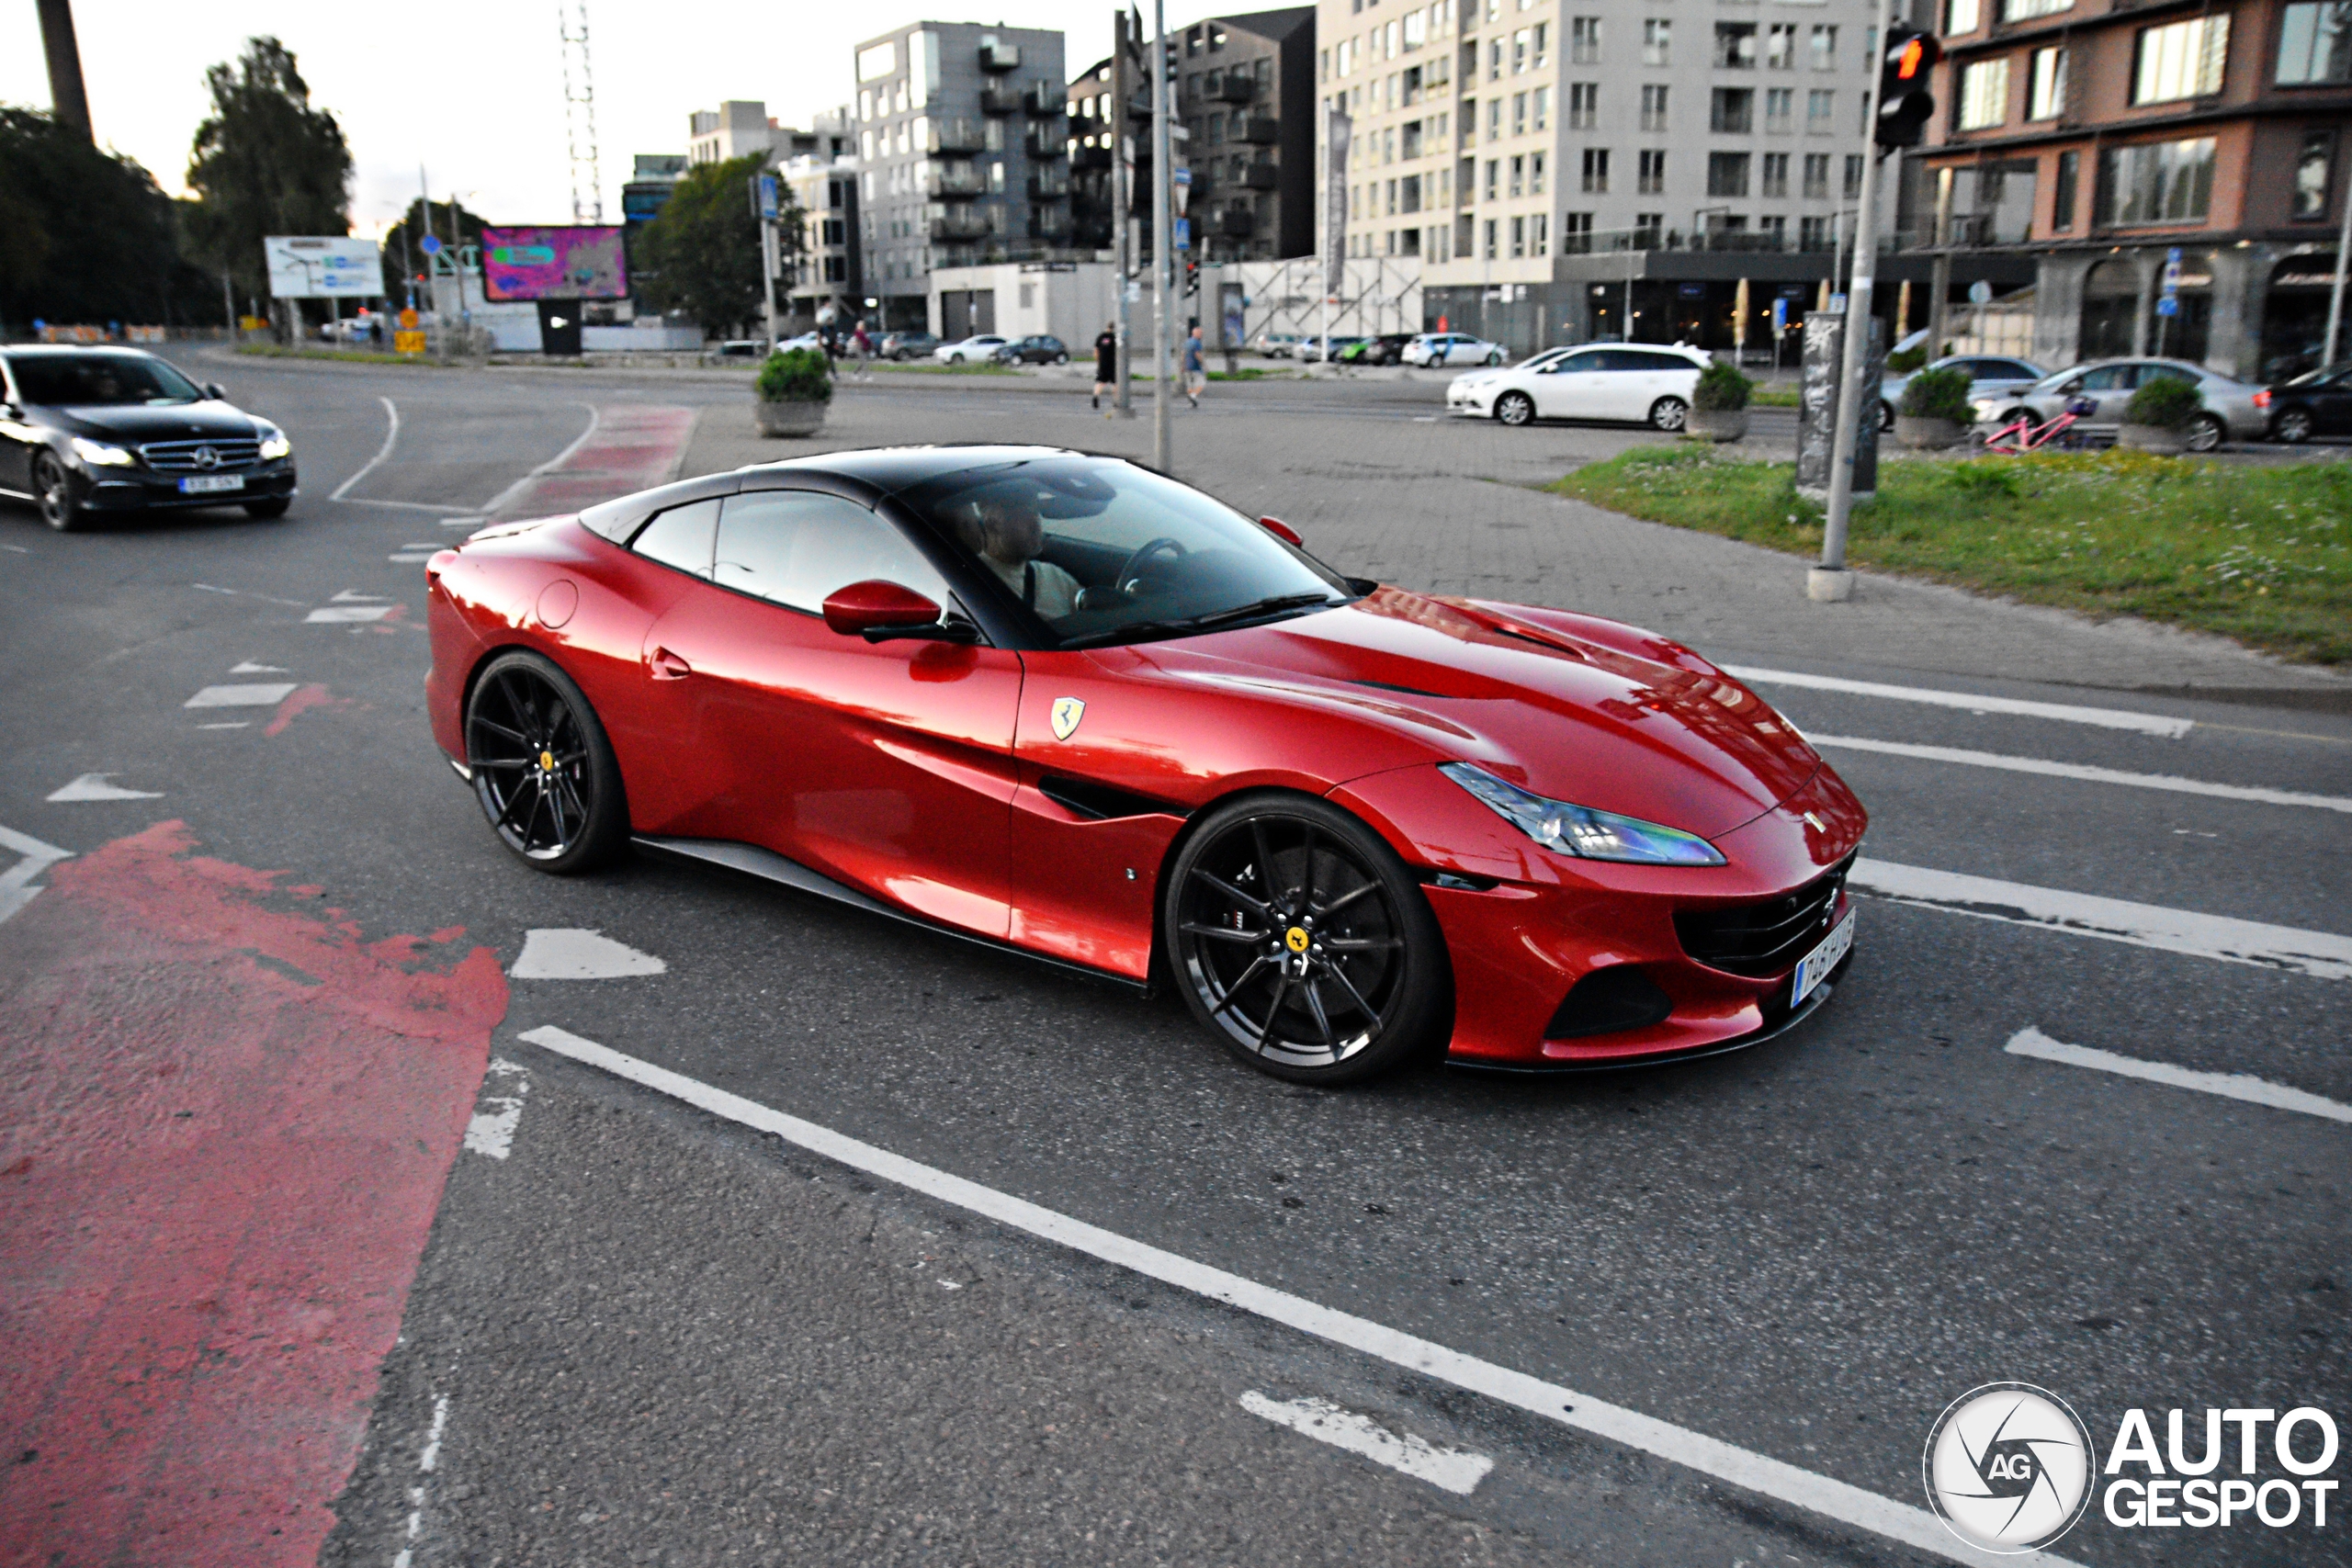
[(580, 112)]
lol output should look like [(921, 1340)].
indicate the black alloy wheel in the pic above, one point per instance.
[(1515, 408), (2293, 426), (2206, 433), (543, 772), (54, 487), (1303, 943), (1669, 414)]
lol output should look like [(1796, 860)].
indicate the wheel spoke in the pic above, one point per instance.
[(1254, 905), (1344, 899), (531, 823), (502, 762), (570, 791), (1362, 944), (1315, 1005), (1357, 997), (1282, 994), (513, 798), (495, 727), (1265, 856), (1307, 883), (1221, 933), (1233, 992)]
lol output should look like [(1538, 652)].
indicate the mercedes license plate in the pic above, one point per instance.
[(211, 484), (1817, 963)]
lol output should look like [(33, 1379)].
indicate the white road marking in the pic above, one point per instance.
[(424, 1464), (247, 667), (239, 724), (2032, 1042), (463, 522), (1756, 1472), (16, 884), (410, 557), (575, 954), (331, 615), (94, 786), (18, 549), (491, 1131), (391, 437), (499, 502), (246, 695), (2322, 954), (1450, 1470), (2105, 718), (353, 596), (2171, 782)]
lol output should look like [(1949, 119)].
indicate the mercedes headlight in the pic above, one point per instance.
[(99, 455), (1579, 830), (274, 444)]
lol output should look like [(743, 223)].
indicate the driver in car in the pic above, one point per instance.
[(1007, 534)]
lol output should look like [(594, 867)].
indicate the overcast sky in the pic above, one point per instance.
[(475, 91)]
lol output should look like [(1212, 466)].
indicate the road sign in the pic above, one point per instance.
[(2168, 305), (430, 244), (1183, 233), (1780, 317), (2172, 270), (768, 198), (1980, 293), (324, 267)]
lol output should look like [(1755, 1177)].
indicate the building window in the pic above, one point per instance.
[(2312, 169), (2045, 95), (1732, 111), (1780, 46), (1495, 60), (1519, 52), (1984, 94), (1584, 105), (1780, 108), (1469, 122), (1647, 228), (1518, 178), (2062, 192), (1773, 175), (1391, 209), (1596, 171), (1493, 120), (2027, 10), (1576, 233), (1726, 174), (2315, 44), (1813, 233), (1825, 47), (1658, 41), (1408, 193), (1518, 238), (1536, 174), (1543, 45), (1541, 98), (1650, 176), (1653, 108), (1820, 106), (2156, 182), (1735, 46), (1494, 179), (1539, 236), (1584, 40), (1409, 141), (1519, 114), (1775, 229), (1853, 175), (1490, 239), (1962, 16), (2181, 59)]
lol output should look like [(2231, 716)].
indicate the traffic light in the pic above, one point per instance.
[(1191, 274), (1905, 71)]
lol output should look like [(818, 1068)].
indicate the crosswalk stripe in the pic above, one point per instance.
[(2105, 718), (2032, 1042), (2170, 781)]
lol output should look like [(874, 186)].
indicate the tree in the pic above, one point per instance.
[(402, 247), (85, 237), (702, 254), (264, 163)]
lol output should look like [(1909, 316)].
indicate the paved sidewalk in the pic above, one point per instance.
[(1446, 506)]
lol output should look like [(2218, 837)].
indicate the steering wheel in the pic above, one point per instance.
[(1127, 576)]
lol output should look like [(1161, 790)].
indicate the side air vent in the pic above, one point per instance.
[(1607, 1002), (1099, 801)]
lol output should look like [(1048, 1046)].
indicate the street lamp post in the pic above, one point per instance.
[(1163, 245)]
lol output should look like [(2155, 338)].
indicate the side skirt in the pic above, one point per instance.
[(768, 866)]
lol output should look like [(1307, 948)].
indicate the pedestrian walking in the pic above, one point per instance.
[(1196, 370), (861, 348), (1106, 362)]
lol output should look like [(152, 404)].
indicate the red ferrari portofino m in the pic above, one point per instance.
[(1065, 706)]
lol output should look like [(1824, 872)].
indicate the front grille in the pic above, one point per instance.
[(1763, 940), (180, 457)]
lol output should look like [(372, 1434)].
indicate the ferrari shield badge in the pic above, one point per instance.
[(1067, 711)]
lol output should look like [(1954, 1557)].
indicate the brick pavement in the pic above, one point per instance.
[(1446, 506)]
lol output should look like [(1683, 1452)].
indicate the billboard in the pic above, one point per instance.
[(569, 262), (323, 267)]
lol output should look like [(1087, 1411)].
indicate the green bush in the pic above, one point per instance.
[(1721, 389), (2169, 403), (1937, 394), (1905, 361), (797, 375)]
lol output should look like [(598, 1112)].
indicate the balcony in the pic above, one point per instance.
[(1232, 87), (1049, 184), (1261, 131), (1049, 223), (1050, 140), (967, 224), (952, 179), (1237, 223), (958, 135), (1263, 175), (1090, 158), (1000, 97), (995, 56), (1044, 99)]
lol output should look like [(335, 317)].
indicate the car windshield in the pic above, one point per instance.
[(1093, 550), (91, 381)]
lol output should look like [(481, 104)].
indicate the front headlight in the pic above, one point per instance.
[(274, 444), (99, 455), (1580, 830)]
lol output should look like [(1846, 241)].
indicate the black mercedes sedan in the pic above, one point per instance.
[(92, 430)]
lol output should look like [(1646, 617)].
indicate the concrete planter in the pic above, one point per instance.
[(1716, 425), (2162, 440), (1927, 435), (799, 418)]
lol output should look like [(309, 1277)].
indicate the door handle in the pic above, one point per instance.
[(668, 666)]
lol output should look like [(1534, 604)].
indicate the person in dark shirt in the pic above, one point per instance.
[(1106, 362)]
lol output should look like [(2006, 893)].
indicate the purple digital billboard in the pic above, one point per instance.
[(566, 263)]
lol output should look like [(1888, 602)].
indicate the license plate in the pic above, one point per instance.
[(211, 484), (1817, 963)]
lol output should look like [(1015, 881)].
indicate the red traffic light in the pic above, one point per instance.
[(1904, 105), (1911, 58)]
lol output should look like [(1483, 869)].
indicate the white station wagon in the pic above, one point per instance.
[(1637, 383)]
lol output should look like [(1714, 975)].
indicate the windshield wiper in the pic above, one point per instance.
[(1209, 622)]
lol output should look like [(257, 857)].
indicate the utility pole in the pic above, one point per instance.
[(431, 295), (2335, 290), (66, 98), (765, 204), (1830, 581), (1123, 200), (1939, 274), (1163, 245)]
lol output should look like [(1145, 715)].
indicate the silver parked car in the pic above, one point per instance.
[(2230, 412), (1988, 375)]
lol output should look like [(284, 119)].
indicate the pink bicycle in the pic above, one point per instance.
[(2021, 434)]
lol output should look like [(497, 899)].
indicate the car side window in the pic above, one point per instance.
[(1664, 362), (2165, 373), (796, 547), (681, 537), (2106, 378), (1575, 364)]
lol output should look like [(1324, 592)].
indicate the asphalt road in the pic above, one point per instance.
[(639, 1332)]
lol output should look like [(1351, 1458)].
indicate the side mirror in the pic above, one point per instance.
[(1281, 530), (213, 390), (880, 610)]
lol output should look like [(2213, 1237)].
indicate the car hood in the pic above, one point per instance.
[(141, 421), (1571, 706)]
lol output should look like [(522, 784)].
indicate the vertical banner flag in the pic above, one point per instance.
[(1335, 202)]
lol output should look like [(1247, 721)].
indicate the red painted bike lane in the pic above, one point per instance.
[(225, 1123), (632, 447)]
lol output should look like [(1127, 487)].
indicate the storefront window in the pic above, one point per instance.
[(2156, 182)]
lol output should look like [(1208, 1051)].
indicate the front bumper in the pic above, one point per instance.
[(141, 490), (1475, 401)]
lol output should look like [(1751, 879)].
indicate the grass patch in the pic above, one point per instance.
[(2262, 554), (1776, 397), (1250, 373), (354, 357), (990, 368)]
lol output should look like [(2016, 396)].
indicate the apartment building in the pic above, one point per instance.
[(828, 273), (1246, 99), (2108, 143), (1094, 144), (736, 127), (1574, 169), (963, 155)]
